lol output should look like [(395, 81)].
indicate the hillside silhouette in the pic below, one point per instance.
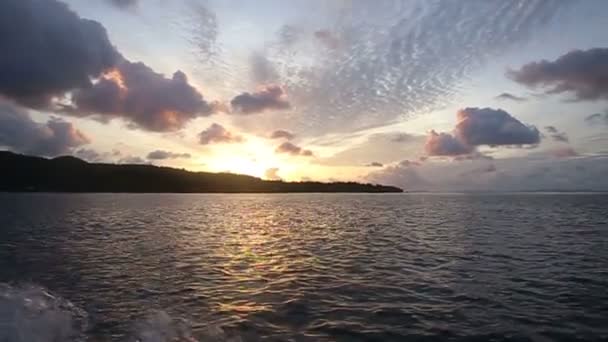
[(21, 173)]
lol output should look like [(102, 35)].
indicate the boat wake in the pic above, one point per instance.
[(31, 313)]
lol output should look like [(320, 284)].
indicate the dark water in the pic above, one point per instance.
[(306, 267)]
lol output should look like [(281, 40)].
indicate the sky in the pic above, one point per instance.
[(427, 95)]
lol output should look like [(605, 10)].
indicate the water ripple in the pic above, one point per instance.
[(311, 267)]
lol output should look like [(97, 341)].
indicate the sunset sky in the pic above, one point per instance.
[(421, 94)]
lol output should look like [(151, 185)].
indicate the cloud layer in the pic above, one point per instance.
[(393, 60), (565, 171)]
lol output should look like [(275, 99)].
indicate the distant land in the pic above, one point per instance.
[(21, 173)]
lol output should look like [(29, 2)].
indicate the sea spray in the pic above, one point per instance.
[(31, 313)]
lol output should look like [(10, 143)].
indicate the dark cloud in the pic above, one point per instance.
[(583, 73), (556, 135), (124, 3), (48, 50), (218, 134), (292, 149), (561, 137), (20, 133), (282, 134), (508, 96), (375, 164), (480, 126), (161, 155), (445, 144), (598, 118), (551, 129), (147, 99), (271, 97), (272, 174), (493, 127)]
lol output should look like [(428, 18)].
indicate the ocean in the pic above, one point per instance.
[(303, 267)]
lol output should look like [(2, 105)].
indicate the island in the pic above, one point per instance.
[(21, 173)]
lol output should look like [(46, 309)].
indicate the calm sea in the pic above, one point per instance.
[(305, 267)]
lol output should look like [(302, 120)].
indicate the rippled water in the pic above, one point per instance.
[(399, 267)]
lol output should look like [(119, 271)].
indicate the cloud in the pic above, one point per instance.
[(272, 174), (327, 38), (598, 118), (282, 134), (564, 152), (292, 149), (445, 144), (124, 3), (288, 35), (402, 137), (408, 163), (508, 96), (48, 50), (161, 155), (556, 135), (145, 98), (477, 127), (583, 73), (375, 164), (551, 129), (493, 127), (387, 68), (383, 147), (20, 133), (271, 97), (53, 53), (88, 154), (218, 134), (262, 70), (132, 160), (569, 172)]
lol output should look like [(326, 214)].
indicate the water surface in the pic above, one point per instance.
[(318, 267)]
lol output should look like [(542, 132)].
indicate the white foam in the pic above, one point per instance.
[(32, 314)]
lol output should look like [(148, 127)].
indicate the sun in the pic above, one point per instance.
[(239, 165)]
